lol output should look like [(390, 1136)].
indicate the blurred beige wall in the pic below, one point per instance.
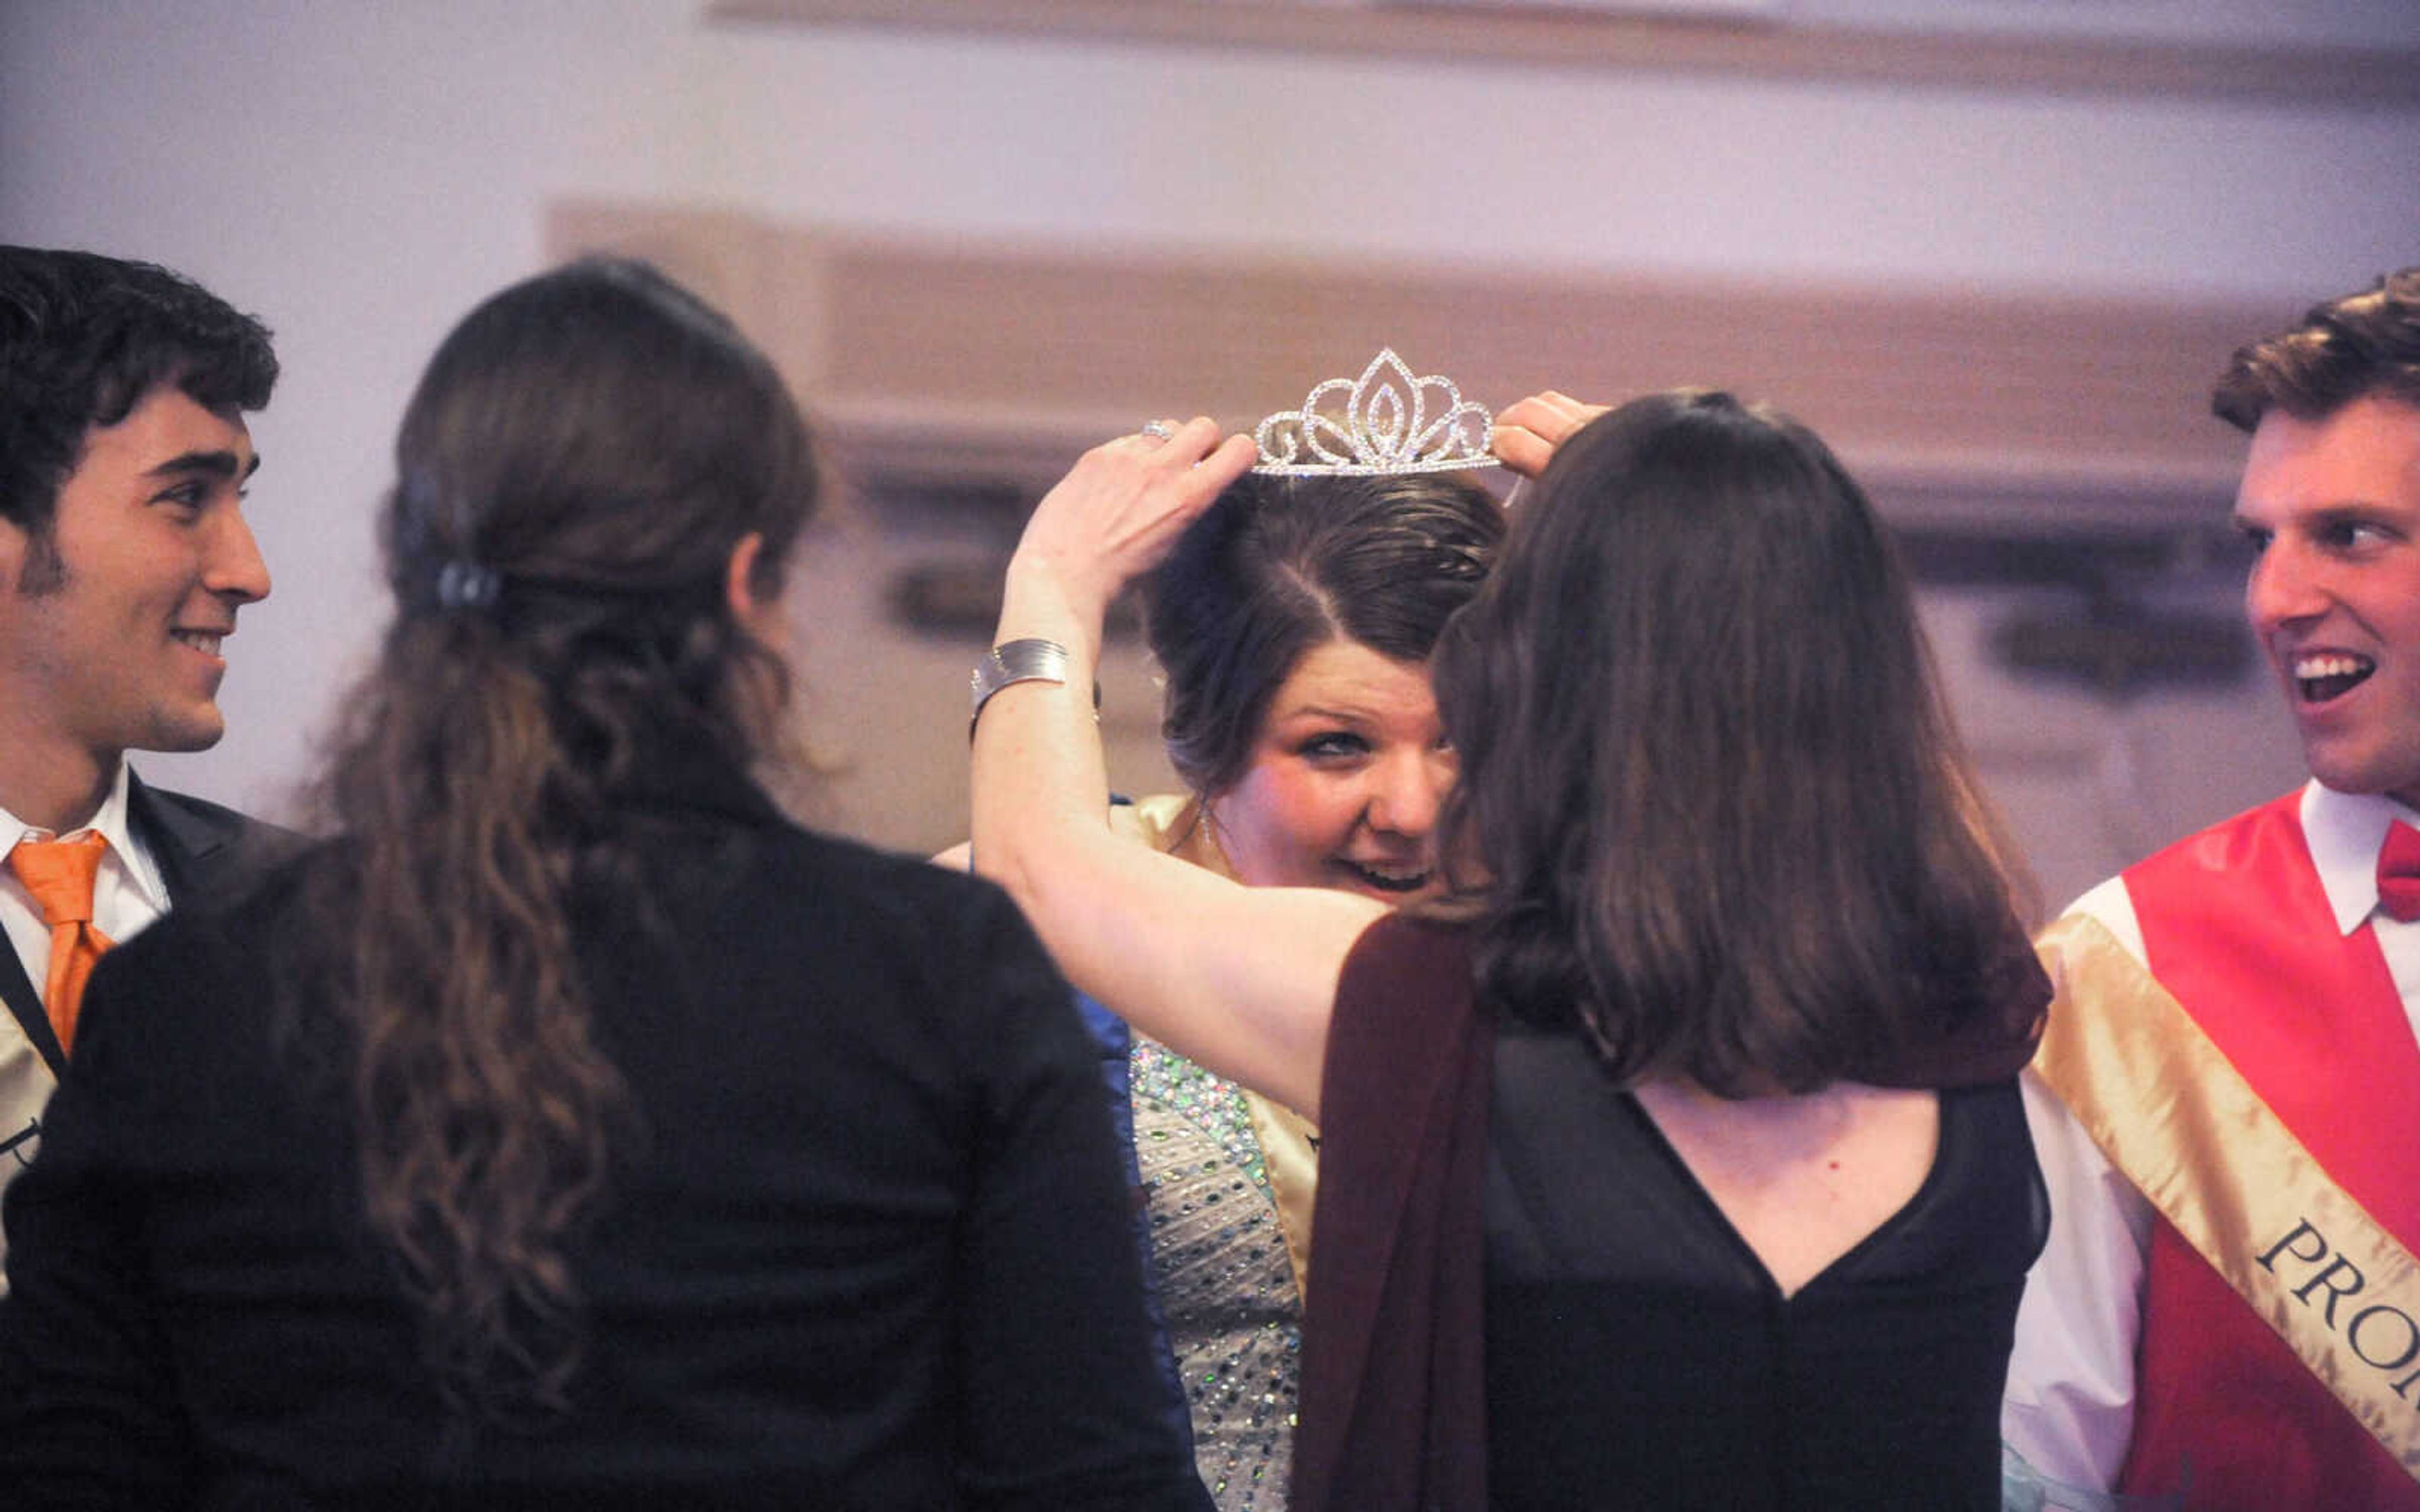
[(360, 175)]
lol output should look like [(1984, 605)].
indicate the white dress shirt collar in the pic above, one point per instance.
[(112, 821)]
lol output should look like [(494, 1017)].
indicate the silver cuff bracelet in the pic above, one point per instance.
[(1018, 661)]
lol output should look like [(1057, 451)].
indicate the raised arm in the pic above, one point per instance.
[(1241, 980)]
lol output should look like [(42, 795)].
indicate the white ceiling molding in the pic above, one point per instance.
[(965, 361), (2321, 73)]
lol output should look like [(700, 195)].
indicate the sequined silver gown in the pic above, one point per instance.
[(1226, 1282), (1229, 1179)]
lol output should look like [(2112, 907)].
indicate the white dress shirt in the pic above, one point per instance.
[(2069, 1408)]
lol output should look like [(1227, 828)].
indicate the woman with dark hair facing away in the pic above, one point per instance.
[(1676, 1160), (1293, 625), (571, 1129)]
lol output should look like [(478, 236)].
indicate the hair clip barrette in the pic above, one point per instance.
[(463, 584)]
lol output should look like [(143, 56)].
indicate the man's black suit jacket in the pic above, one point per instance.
[(203, 850)]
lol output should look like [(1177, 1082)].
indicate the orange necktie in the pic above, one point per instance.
[(59, 873)]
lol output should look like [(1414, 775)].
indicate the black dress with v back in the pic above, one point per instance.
[(1639, 1354)]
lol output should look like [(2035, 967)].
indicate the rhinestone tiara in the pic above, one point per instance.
[(1385, 426)]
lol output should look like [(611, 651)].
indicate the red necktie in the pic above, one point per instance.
[(2398, 872), (59, 873)]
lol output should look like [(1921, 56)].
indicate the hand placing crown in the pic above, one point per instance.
[(1390, 421)]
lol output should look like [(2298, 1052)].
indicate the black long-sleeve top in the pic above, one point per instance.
[(870, 1248)]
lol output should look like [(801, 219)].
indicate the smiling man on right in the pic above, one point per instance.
[(2227, 1100)]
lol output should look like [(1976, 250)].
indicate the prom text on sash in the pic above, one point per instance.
[(2380, 1335)]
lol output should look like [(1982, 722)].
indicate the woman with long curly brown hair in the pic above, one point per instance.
[(570, 1128)]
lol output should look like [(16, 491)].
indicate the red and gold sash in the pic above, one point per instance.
[(2273, 1124)]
